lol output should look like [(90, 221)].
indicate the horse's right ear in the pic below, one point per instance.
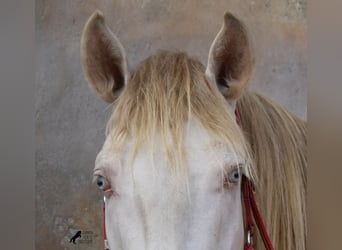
[(230, 60), (103, 59)]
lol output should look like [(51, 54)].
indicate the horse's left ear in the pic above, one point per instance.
[(230, 60)]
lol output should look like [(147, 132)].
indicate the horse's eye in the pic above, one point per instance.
[(234, 176), (102, 183)]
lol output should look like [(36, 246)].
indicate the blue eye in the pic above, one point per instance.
[(234, 176), (102, 183)]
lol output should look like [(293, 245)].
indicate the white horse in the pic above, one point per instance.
[(174, 154)]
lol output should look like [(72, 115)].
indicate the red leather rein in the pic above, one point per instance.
[(251, 208)]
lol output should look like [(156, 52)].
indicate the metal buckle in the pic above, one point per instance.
[(249, 238)]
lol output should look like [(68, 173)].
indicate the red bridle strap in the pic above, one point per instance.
[(249, 217), (106, 247), (252, 209)]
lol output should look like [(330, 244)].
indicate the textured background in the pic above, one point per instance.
[(70, 119)]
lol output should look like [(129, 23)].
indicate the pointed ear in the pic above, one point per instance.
[(230, 60), (103, 59)]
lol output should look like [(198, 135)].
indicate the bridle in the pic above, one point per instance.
[(105, 241), (251, 209)]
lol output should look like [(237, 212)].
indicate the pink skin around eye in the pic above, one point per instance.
[(108, 193)]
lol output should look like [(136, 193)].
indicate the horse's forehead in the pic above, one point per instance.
[(201, 156)]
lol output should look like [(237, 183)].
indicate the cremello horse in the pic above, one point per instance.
[(174, 154)]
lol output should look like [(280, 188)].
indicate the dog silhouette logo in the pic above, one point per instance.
[(75, 237)]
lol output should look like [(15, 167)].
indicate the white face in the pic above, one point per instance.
[(150, 208)]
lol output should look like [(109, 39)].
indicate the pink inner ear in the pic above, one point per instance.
[(231, 57)]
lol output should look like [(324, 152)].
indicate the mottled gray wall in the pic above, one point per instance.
[(70, 119)]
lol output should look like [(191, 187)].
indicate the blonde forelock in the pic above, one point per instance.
[(166, 91)]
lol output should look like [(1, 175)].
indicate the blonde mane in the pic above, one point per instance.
[(166, 91), (278, 146)]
